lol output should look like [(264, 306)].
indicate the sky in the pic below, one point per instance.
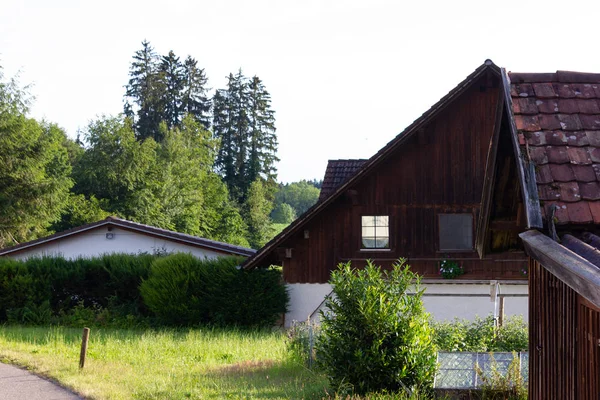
[(345, 76)]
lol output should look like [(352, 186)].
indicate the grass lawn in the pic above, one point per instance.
[(164, 364)]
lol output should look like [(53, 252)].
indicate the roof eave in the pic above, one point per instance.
[(525, 169)]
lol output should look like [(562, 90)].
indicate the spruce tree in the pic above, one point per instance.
[(263, 140), (195, 101), (245, 125), (144, 93), (172, 76), (230, 126)]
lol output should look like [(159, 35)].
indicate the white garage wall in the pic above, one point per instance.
[(444, 301), (94, 243)]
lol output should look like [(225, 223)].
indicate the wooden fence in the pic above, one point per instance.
[(564, 334)]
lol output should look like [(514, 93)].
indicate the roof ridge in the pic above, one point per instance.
[(192, 239), (560, 76)]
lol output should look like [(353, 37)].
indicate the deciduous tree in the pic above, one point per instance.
[(34, 178)]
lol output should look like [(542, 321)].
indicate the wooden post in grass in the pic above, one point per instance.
[(84, 345)]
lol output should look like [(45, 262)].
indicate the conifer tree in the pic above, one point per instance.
[(195, 101), (263, 140), (172, 76), (230, 126), (244, 123), (144, 93)]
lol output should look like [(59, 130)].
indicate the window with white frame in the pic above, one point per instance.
[(456, 231), (375, 231)]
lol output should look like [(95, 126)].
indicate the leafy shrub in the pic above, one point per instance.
[(184, 290), (481, 335), (375, 335)]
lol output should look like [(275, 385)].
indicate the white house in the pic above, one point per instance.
[(116, 235)]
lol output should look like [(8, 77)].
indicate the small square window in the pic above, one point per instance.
[(456, 231), (375, 232)]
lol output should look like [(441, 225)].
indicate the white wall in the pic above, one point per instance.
[(445, 301), (94, 243)]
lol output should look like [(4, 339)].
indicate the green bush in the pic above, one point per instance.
[(481, 335), (184, 290), (375, 336)]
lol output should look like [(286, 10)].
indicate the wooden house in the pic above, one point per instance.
[(447, 188)]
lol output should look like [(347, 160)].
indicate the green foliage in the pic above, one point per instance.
[(496, 385), (80, 211), (170, 184), (35, 174), (481, 335), (244, 123), (283, 214), (184, 290), (256, 211), (164, 89), (39, 289), (375, 335), (300, 195)]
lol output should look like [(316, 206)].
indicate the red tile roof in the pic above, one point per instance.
[(557, 116), (337, 172)]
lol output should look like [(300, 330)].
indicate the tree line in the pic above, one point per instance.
[(176, 158)]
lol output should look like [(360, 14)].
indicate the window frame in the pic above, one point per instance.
[(375, 237), (439, 235)]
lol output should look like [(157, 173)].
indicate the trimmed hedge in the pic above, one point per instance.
[(106, 291), (54, 286), (184, 290)]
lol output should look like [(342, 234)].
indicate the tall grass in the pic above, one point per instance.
[(164, 364)]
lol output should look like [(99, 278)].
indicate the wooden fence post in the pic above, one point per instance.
[(84, 345)]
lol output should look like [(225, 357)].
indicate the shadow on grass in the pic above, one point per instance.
[(266, 379)]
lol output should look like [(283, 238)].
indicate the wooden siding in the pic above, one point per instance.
[(439, 170), (564, 329)]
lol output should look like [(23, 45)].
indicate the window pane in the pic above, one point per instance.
[(382, 220), (368, 231), (456, 231), (382, 231), (368, 243), (368, 221), (382, 243)]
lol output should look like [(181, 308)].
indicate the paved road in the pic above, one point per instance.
[(18, 384)]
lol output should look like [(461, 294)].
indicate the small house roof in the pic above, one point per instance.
[(338, 172), (137, 227)]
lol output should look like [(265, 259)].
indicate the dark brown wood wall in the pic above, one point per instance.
[(438, 170), (564, 329)]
